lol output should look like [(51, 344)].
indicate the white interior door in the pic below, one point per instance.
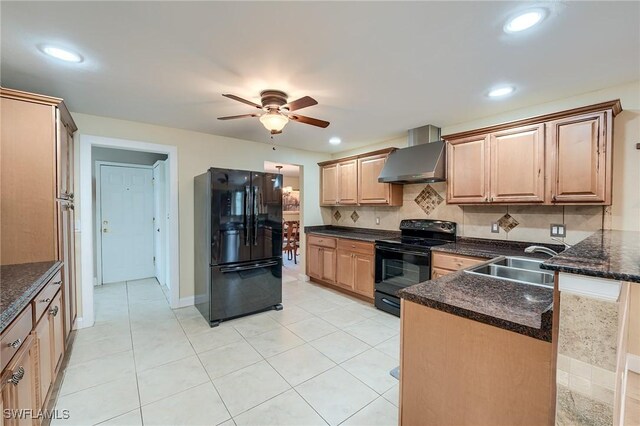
[(159, 221), (126, 207)]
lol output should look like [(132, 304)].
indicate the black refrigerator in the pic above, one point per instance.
[(238, 243)]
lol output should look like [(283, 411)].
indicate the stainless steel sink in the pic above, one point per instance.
[(516, 269)]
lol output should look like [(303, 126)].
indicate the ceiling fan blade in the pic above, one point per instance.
[(239, 99), (303, 102), (233, 117), (309, 120)]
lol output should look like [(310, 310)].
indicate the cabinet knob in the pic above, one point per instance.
[(17, 376), (54, 311), (57, 282), (47, 300), (15, 344)]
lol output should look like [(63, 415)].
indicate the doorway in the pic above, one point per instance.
[(292, 216), (129, 206)]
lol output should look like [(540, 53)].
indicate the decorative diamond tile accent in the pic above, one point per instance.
[(337, 215), (355, 216), (428, 199), (507, 222)]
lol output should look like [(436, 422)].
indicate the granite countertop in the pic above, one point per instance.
[(478, 247), (524, 309), (362, 234), (605, 254), (20, 284)]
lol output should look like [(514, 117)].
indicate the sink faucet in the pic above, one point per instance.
[(540, 249)]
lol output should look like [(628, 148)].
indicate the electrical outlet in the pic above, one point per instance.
[(558, 230), (377, 221), (495, 228)]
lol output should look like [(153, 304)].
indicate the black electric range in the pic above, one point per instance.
[(404, 261)]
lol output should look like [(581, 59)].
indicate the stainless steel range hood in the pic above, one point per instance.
[(423, 161)]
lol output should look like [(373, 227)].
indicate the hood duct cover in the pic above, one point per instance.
[(424, 162)]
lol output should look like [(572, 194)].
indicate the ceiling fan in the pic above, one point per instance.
[(277, 111)]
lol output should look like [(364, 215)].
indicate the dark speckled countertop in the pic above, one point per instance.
[(489, 249), (524, 309), (605, 254), (20, 283), (521, 308), (362, 234)]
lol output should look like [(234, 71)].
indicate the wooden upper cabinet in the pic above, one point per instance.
[(348, 182), (354, 181), (517, 165), (467, 170), (580, 158), (329, 185), (559, 158), (370, 191)]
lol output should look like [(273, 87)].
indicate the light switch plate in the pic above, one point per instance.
[(495, 228), (558, 230)]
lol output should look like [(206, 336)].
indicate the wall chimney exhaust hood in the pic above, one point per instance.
[(423, 161)]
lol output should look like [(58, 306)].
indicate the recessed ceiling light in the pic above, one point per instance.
[(335, 141), (499, 92), (524, 21), (62, 54)]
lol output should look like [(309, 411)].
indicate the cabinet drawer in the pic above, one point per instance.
[(46, 295), (15, 335), (453, 262), (356, 246), (318, 240)]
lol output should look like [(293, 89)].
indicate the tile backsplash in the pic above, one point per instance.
[(524, 223)]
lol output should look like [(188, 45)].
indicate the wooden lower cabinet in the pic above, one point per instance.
[(446, 263), (20, 391), (456, 371), (349, 266)]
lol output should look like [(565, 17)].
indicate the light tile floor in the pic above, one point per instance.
[(324, 359)]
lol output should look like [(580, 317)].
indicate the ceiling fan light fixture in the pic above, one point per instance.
[(274, 121)]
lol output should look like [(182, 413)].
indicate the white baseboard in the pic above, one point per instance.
[(186, 301), (633, 363), (80, 323)]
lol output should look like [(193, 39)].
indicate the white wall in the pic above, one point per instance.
[(199, 151), (534, 220), (292, 181)]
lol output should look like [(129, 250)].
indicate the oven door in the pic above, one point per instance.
[(396, 269)]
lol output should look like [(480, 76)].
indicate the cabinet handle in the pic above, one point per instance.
[(17, 376), (54, 311), (57, 282), (553, 198), (486, 199), (15, 344), (47, 300)]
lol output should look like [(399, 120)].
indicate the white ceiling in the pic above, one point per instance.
[(286, 170), (376, 69)]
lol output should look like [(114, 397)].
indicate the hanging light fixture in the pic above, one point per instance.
[(274, 121)]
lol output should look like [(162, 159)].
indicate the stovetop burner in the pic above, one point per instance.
[(422, 234)]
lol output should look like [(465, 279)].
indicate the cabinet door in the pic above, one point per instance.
[(329, 182), (57, 318), (348, 182), (44, 337), (63, 169), (363, 271), (517, 165), (370, 191), (27, 182), (329, 265), (468, 170), (314, 261), (580, 158), (20, 389), (345, 269)]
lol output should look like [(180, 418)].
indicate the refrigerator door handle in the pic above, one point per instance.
[(255, 215), (248, 267), (247, 214)]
